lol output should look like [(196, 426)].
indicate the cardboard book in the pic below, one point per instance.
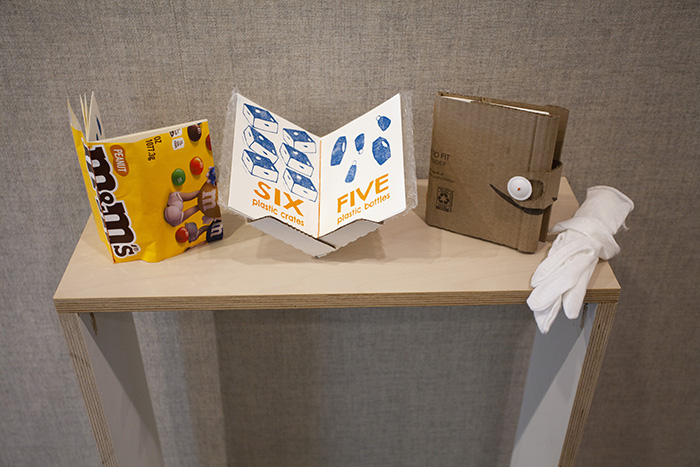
[(315, 193), (494, 168)]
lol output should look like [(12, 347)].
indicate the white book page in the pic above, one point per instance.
[(74, 122), (93, 124), (362, 169), (94, 131), (466, 99), (174, 130), (274, 168)]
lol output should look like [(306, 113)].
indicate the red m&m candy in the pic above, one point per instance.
[(196, 166), (208, 140), (182, 235)]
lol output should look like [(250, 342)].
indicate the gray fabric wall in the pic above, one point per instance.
[(368, 387)]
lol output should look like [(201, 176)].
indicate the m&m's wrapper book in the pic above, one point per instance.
[(153, 194)]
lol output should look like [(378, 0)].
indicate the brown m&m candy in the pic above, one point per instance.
[(194, 132), (206, 201)]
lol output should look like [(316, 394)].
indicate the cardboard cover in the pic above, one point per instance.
[(478, 145)]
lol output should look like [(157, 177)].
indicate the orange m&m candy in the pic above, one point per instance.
[(196, 166)]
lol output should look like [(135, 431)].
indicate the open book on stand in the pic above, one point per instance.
[(494, 168), (317, 193)]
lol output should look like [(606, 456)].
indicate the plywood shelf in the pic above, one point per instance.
[(404, 263)]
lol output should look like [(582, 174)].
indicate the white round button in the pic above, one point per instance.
[(519, 188)]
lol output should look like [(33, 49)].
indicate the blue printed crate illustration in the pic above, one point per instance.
[(258, 143), (260, 118), (300, 185), (299, 140), (260, 166), (296, 160)]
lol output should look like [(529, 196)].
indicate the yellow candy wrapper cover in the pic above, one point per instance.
[(153, 194)]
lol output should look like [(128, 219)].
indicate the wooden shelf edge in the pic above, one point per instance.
[(221, 303)]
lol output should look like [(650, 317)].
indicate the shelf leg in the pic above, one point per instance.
[(600, 334), (113, 383), (560, 365)]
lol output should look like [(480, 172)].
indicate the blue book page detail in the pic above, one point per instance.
[(99, 129), (299, 140), (383, 122), (259, 166), (296, 160), (300, 185), (258, 143), (352, 171), (360, 143), (338, 151), (260, 118), (381, 150)]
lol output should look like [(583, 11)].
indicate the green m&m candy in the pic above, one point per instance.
[(178, 177)]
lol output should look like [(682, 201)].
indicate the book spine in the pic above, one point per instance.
[(440, 182), (544, 140), (562, 115)]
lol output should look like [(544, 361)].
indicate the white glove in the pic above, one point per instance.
[(562, 278)]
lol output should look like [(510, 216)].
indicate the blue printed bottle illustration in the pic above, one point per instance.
[(260, 118), (300, 185), (352, 171), (299, 140), (381, 150), (360, 143), (383, 122), (259, 144), (260, 166), (296, 160), (338, 151)]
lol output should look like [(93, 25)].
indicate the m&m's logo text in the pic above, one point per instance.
[(115, 218)]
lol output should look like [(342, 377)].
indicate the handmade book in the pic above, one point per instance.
[(494, 168), (153, 194), (316, 193)]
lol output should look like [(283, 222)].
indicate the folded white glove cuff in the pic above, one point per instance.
[(601, 239), (607, 204), (562, 278)]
